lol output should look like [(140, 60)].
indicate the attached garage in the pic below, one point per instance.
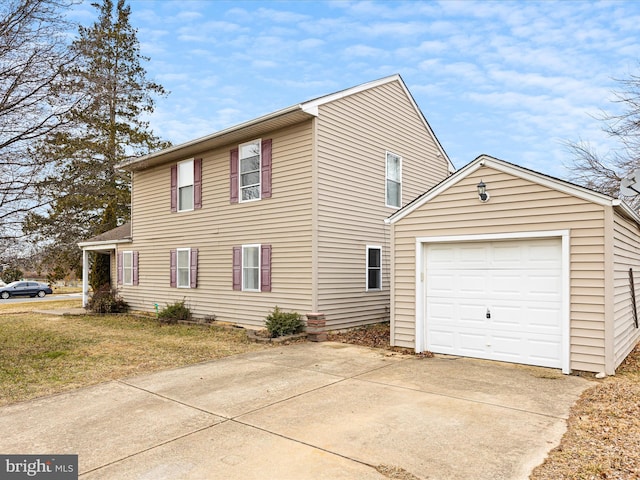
[(538, 274)]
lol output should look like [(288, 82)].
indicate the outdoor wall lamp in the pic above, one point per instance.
[(482, 192)]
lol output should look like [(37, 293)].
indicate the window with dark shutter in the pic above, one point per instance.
[(237, 268), (233, 177), (120, 269), (193, 277), (135, 268), (174, 188), (265, 268), (266, 168), (197, 183), (173, 268)]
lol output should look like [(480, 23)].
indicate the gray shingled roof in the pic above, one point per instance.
[(123, 232)]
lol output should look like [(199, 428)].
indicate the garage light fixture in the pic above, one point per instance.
[(482, 192)]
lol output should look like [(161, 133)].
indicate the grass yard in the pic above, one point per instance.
[(44, 354)]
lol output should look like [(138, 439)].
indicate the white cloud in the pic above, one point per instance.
[(364, 51)]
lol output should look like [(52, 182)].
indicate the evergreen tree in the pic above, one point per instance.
[(100, 274), (108, 127)]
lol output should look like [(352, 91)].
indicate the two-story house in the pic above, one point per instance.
[(287, 209)]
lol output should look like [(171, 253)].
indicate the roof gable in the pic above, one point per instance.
[(517, 171), (278, 119)]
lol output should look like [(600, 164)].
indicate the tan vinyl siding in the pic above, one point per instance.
[(626, 255), (516, 205), (283, 221), (353, 135)]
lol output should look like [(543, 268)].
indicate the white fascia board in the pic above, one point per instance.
[(547, 181), (221, 133), (437, 190), (517, 171), (109, 245), (626, 210), (312, 105)]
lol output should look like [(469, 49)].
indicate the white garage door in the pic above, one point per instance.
[(499, 300)]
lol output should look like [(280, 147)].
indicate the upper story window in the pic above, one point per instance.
[(185, 185), (250, 155), (250, 171), (394, 180)]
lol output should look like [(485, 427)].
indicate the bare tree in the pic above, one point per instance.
[(604, 173), (33, 56)]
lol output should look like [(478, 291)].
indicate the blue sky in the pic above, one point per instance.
[(515, 80)]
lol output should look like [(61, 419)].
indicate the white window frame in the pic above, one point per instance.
[(125, 269), (178, 267), (182, 183), (378, 289), (258, 267), (257, 142), (389, 154)]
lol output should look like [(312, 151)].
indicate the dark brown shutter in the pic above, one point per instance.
[(120, 268), (266, 169), (174, 188), (193, 268), (237, 268), (233, 177), (197, 183), (173, 268), (265, 268), (135, 268)]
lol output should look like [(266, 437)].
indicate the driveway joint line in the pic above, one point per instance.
[(439, 394), (172, 400), (301, 442), (153, 447)]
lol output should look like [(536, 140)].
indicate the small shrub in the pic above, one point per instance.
[(281, 323), (107, 300), (175, 312), (11, 274)]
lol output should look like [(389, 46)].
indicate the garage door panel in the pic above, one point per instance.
[(471, 343), (443, 341), (518, 282)]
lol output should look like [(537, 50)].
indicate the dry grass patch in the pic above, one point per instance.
[(603, 436), (44, 354)]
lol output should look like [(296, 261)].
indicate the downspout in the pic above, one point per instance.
[(315, 282)]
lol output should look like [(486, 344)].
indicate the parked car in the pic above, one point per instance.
[(25, 289)]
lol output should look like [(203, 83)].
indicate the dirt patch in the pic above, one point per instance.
[(374, 336), (603, 431)]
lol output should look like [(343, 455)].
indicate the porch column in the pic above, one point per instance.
[(85, 277)]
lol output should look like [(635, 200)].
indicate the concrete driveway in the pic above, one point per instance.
[(305, 411)]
